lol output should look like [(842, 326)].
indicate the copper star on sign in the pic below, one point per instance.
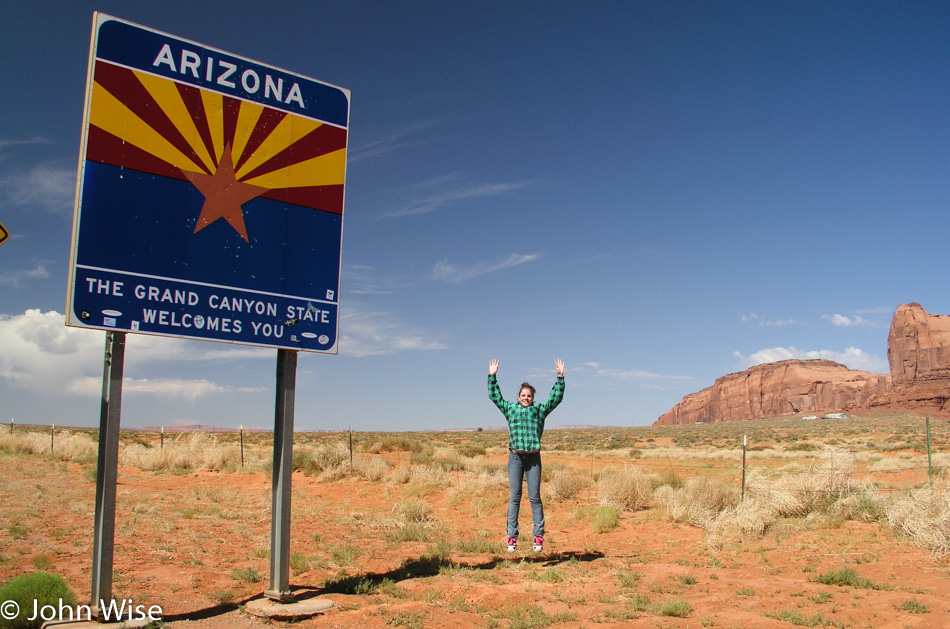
[(224, 195)]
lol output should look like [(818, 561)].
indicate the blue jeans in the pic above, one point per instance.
[(525, 466)]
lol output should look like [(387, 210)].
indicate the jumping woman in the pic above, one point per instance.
[(525, 427)]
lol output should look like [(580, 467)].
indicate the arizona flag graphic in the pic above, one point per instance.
[(211, 195)]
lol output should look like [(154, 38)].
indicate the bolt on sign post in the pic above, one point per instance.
[(209, 203)]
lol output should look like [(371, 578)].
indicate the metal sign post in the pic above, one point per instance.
[(106, 472), (283, 471)]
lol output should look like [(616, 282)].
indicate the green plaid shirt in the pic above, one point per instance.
[(525, 423)]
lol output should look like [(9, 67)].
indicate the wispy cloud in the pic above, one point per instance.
[(189, 390), (638, 374), (597, 375), (763, 321), (393, 140), (39, 349), (438, 200), (447, 272), (17, 277), (363, 279), (369, 333), (852, 357), (25, 142), (50, 186), (845, 322), (877, 310), (585, 367)]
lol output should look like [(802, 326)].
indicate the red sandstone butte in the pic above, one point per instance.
[(918, 350)]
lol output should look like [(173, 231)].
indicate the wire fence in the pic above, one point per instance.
[(908, 457)]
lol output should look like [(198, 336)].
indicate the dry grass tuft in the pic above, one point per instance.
[(371, 468), (924, 516), (67, 445), (184, 451), (699, 501), (797, 495), (825, 487), (626, 489), (414, 511), (564, 485)]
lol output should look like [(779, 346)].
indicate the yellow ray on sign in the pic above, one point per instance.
[(169, 99), (324, 170), (111, 115), (288, 131), (248, 116), (4, 234)]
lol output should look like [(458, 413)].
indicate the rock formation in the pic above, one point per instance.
[(775, 389), (918, 350)]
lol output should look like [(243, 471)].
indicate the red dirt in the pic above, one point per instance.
[(180, 539)]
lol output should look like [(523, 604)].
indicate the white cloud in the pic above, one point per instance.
[(34, 140), (852, 357), (362, 279), (393, 140), (764, 321), (597, 375), (880, 310), (16, 277), (445, 198), (377, 333), (166, 388), (451, 273), (638, 374), (41, 354), (843, 321), (50, 186), (143, 349)]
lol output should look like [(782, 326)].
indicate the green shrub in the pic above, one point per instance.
[(248, 575), (628, 579), (299, 563), (639, 602), (846, 577), (677, 609), (423, 456), (605, 519), (914, 606), (472, 450), (396, 444), (42, 587)]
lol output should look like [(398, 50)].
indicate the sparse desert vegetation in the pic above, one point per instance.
[(831, 523)]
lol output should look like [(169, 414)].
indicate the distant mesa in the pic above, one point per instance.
[(918, 352), (195, 428)]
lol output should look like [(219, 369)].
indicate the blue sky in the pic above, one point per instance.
[(657, 193)]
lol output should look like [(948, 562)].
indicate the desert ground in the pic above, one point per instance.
[(829, 523)]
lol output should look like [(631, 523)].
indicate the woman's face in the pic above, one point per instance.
[(526, 397)]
